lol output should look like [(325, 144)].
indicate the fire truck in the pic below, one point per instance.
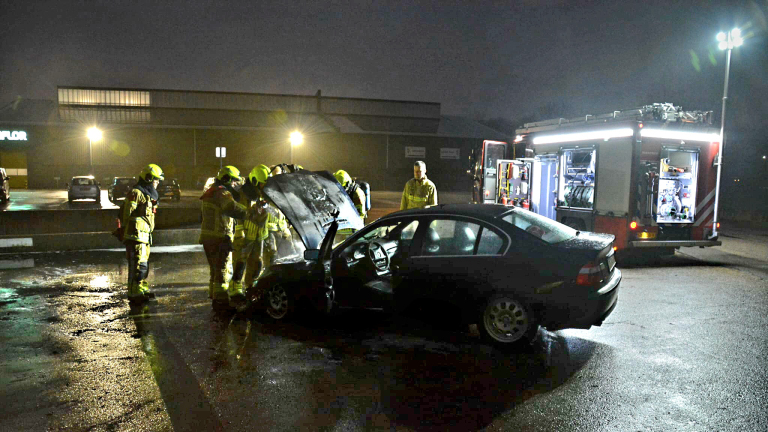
[(646, 175)]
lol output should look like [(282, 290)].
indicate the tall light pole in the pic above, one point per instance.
[(296, 138), (727, 41), (94, 134)]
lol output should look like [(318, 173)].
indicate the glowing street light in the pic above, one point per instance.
[(296, 138), (727, 41), (94, 134)]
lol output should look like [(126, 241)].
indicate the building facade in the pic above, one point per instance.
[(44, 143)]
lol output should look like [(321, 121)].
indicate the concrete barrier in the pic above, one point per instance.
[(20, 223), (90, 240)]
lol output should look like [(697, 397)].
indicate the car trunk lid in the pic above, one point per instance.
[(309, 200)]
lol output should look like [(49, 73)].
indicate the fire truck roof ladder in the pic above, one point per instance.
[(664, 112)]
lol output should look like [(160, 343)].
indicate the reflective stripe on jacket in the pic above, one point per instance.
[(138, 217), (418, 194)]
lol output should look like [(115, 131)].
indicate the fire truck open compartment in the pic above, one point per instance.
[(576, 185), (678, 174)]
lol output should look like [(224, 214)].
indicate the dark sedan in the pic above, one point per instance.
[(120, 187), (506, 269), (169, 189)]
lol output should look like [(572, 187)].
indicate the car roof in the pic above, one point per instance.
[(482, 211)]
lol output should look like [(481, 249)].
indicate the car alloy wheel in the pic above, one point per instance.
[(278, 302), (506, 320)]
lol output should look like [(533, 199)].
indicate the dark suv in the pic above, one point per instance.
[(5, 186), (120, 187), (169, 189)]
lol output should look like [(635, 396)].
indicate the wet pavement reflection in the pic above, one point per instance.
[(221, 371), (75, 356)]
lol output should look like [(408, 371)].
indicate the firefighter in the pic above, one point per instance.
[(138, 220), (219, 207), (246, 234), (353, 190), (419, 191), (257, 233)]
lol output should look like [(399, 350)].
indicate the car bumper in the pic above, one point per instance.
[(588, 312)]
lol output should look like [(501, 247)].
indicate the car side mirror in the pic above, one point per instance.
[(312, 254)]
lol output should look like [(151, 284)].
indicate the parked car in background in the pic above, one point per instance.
[(5, 186), (169, 188), (83, 187), (120, 187), (508, 270)]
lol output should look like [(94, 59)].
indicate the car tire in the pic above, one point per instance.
[(506, 322), (278, 302)]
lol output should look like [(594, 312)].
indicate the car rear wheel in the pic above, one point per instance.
[(505, 321), (278, 301)]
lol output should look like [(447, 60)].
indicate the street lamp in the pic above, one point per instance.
[(727, 41), (296, 138), (94, 134)]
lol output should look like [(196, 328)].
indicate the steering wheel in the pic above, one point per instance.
[(378, 256)]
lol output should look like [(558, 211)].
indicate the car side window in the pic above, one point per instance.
[(490, 243), (446, 237)]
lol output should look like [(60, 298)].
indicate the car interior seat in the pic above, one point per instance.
[(431, 242), (464, 240)]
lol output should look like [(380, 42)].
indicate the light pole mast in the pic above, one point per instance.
[(727, 42)]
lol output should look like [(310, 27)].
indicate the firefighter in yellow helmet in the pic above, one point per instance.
[(353, 190), (138, 222), (220, 207), (248, 241), (269, 224), (419, 191)]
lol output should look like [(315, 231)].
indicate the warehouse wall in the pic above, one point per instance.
[(189, 155)]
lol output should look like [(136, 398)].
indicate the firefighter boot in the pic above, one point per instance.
[(144, 288), (220, 297), (135, 296), (236, 296)]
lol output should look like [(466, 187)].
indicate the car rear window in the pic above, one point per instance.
[(82, 181), (125, 181), (539, 226)]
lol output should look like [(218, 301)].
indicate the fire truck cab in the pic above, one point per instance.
[(645, 175)]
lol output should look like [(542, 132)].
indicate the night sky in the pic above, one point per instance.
[(514, 61)]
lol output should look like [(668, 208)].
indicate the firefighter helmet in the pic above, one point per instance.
[(228, 173), (152, 172), (259, 174), (342, 177)]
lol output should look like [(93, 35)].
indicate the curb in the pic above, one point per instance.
[(90, 240)]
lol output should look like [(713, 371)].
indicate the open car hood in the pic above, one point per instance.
[(309, 200)]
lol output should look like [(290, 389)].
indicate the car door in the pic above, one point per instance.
[(453, 260), (356, 281)]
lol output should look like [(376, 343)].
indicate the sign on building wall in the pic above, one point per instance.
[(221, 152), (13, 135), (450, 153), (415, 152)]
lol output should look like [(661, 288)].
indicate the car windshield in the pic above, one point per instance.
[(539, 226), (124, 181), (82, 181)]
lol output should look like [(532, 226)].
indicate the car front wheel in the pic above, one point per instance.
[(505, 321), (278, 301)]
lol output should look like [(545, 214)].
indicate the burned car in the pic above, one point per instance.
[(508, 270)]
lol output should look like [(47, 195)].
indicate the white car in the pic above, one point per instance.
[(83, 187)]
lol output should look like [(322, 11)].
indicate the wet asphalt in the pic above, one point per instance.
[(685, 349)]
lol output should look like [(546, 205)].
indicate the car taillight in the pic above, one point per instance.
[(589, 275)]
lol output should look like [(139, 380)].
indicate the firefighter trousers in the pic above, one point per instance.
[(219, 255), (138, 266)]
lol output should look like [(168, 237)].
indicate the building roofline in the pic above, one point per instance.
[(244, 94)]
